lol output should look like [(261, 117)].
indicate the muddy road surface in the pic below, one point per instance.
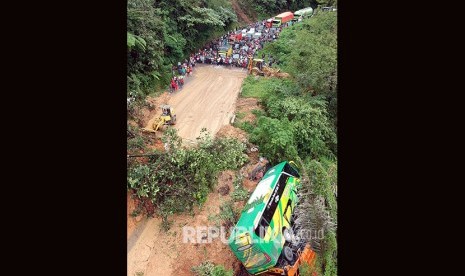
[(207, 100)]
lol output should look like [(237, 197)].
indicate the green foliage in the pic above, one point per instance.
[(330, 255), (313, 132), (258, 112), (207, 268), (300, 118), (176, 180), (323, 175), (135, 142), (301, 111), (314, 64), (161, 33), (136, 41), (145, 49), (275, 138), (246, 126), (209, 17), (321, 195), (239, 192), (228, 215), (262, 88)]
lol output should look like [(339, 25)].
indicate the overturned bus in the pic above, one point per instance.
[(261, 237)]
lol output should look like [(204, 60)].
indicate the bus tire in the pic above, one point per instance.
[(288, 254), (288, 234)]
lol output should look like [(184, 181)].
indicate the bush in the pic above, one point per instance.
[(330, 254), (176, 180), (228, 215), (314, 135), (275, 139), (245, 126), (262, 88), (239, 192), (209, 269)]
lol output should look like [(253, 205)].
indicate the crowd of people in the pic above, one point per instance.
[(234, 48), (179, 72), (244, 44)]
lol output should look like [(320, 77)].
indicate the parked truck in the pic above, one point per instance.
[(303, 13), (282, 18)]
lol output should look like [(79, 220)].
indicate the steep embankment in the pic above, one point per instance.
[(241, 16)]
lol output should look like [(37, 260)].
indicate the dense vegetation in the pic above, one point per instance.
[(162, 33), (299, 121), (175, 180), (207, 268)]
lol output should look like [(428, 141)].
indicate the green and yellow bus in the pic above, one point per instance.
[(259, 236)]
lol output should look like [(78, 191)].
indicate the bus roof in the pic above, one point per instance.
[(284, 14)]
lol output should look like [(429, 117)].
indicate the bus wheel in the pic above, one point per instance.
[(288, 254), (288, 234)]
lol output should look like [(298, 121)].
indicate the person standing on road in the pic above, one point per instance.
[(173, 85)]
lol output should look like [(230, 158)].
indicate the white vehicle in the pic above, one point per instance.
[(251, 32)]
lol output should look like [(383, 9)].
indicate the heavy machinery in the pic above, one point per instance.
[(303, 13), (168, 117), (257, 67)]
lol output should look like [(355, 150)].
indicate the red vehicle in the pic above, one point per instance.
[(282, 18), (269, 23), (235, 37)]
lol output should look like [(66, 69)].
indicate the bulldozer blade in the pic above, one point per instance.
[(148, 130), (160, 123), (153, 124)]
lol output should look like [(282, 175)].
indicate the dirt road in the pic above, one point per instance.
[(156, 252), (207, 100)]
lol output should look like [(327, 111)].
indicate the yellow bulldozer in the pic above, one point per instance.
[(168, 117), (257, 67)]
